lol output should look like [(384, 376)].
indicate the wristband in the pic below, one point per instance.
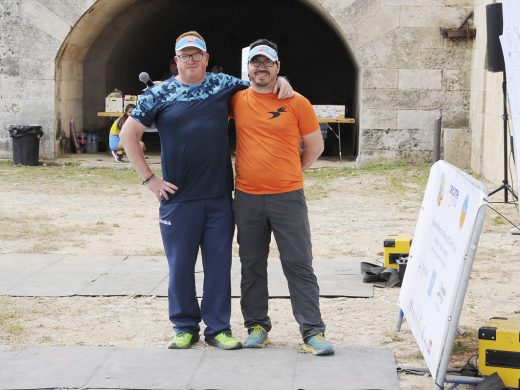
[(146, 181)]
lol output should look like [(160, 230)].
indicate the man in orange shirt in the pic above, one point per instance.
[(269, 198)]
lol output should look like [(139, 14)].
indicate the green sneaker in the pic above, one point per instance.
[(256, 338), (318, 345), (183, 340), (224, 340)]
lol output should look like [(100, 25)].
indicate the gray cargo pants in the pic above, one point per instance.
[(256, 216)]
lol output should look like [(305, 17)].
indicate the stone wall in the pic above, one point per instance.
[(409, 73), (31, 34)]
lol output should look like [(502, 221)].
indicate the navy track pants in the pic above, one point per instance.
[(186, 226)]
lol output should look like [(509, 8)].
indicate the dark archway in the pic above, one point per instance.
[(313, 55)]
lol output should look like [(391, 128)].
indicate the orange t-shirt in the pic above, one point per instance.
[(269, 132)]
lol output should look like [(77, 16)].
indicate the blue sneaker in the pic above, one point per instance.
[(257, 337), (318, 346)]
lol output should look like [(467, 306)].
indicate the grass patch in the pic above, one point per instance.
[(497, 221), (464, 347), (9, 320), (70, 173), (26, 226), (15, 329), (397, 178), (315, 191)]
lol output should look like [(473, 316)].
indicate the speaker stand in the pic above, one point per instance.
[(505, 184)]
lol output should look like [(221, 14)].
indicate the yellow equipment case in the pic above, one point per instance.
[(499, 350), (396, 246)]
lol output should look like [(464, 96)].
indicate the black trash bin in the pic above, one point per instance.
[(26, 143)]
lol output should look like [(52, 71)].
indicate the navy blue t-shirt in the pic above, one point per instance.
[(192, 121)]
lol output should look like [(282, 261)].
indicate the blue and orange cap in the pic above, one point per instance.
[(263, 50), (190, 41)]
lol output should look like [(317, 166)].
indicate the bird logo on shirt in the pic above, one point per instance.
[(277, 113)]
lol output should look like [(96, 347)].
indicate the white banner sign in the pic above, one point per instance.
[(439, 247)]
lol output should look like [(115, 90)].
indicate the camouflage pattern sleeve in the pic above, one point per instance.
[(146, 107)]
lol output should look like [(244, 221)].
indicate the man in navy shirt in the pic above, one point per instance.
[(190, 111)]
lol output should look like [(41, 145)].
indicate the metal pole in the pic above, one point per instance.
[(339, 140), (463, 380), (437, 140), (400, 317), (504, 92)]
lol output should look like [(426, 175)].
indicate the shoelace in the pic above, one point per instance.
[(227, 335), (320, 337), (257, 331)]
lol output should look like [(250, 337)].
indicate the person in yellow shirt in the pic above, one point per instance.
[(114, 142)]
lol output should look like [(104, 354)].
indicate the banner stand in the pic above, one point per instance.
[(439, 266), (454, 319)]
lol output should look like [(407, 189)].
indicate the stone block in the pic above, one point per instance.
[(462, 3), (349, 10), (415, 3), (455, 80), (71, 70), (456, 100), (9, 36), (44, 19), (457, 147), (10, 108), (420, 79), (381, 156), (11, 87), (36, 89), (375, 25), (417, 119), (434, 58), (6, 148), (432, 16), (9, 66), (379, 78), (379, 118), (36, 44), (416, 38), (380, 53), (68, 10), (397, 139), (455, 119), (406, 99), (37, 69), (401, 48)]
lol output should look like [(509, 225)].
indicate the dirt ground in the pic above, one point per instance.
[(96, 206)]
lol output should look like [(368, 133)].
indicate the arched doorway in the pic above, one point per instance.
[(114, 41)]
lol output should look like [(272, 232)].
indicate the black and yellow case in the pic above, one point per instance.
[(396, 246), (499, 350)]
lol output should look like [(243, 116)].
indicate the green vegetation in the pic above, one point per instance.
[(400, 178), (497, 221), (464, 347), (9, 320), (67, 173)]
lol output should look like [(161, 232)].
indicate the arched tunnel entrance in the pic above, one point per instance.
[(140, 37)]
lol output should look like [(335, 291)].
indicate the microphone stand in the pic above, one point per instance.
[(505, 184)]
